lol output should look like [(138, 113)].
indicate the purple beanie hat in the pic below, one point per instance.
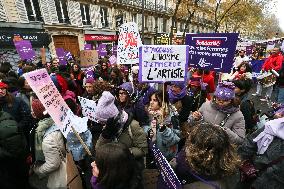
[(225, 91), (106, 108), (180, 84), (127, 86)]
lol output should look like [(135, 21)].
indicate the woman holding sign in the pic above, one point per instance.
[(222, 111), (164, 125)]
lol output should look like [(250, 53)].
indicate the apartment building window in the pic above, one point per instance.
[(85, 13), (164, 25), (134, 18), (33, 10), (61, 8), (104, 20)]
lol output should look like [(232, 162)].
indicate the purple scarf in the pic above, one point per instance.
[(227, 110), (176, 97), (94, 183)]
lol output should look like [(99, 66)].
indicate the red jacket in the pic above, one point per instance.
[(273, 62)]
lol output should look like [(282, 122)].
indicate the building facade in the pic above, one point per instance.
[(70, 24)]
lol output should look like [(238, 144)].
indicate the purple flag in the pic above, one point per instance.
[(114, 50), (212, 51), (112, 59), (89, 73), (61, 56), (25, 49), (102, 50), (88, 47), (169, 177), (68, 55)]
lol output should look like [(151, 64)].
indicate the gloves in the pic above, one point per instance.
[(111, 128)]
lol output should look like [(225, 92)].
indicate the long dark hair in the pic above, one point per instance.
[(117, 167)]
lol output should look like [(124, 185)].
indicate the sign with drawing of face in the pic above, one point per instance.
[(212, 51), (129, 42)]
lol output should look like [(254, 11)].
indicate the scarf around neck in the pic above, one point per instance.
[(227, 110), (176, 97)]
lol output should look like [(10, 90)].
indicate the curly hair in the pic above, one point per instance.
[(209, 151), (100, 87)]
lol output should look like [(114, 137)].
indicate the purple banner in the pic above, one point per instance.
[(102, 50), (169, 177), (88, 47), (114, 50), (25, 49), (212, 51), (61, 56)]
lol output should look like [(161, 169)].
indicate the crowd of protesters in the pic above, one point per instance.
[(206, 130)]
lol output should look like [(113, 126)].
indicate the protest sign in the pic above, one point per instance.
[(170, 179), (114, 50), (89, 73), (88, 108), (102, 49), (25, 49), (88, 47), (129, 42), (68, 55), (47, 93), (60, 52), (161, 63), (112, 59), (79, 124), (212, 51), (88, 58)]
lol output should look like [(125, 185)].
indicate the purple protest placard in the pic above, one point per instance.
[(88, 47), (249, 50), (25, 49), (169, 177), (114, 50), (89, 73), (102, 50), (112, 59), (212, 51), (161, 63), (61, 56), (68, 55)]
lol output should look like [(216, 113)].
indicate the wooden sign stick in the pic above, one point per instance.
[(81, 141)]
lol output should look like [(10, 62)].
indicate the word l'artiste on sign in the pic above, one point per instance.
[(163, 63)]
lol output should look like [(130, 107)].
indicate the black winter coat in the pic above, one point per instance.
[(273, 177)]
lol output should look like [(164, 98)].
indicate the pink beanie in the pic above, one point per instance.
[(106, 108)]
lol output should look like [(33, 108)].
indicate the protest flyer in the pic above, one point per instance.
[(88, 47), (102, 49), (212, 51), (25, 49), (112, 59), (129, 42), (88, 108), (161, 63), (60, 52), (47, 93), (88, 58)]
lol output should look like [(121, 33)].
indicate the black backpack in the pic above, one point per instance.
[(13, 143)]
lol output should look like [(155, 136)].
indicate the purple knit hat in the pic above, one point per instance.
[(225, 91), (127, 86), (106, 108), (179, 84)]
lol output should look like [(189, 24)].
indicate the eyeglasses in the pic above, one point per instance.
[(122, 93)]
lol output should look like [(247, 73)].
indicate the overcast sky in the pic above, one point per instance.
[(280, 13)]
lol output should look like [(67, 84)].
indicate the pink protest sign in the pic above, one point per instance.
[(46, 91), (112, 59)]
